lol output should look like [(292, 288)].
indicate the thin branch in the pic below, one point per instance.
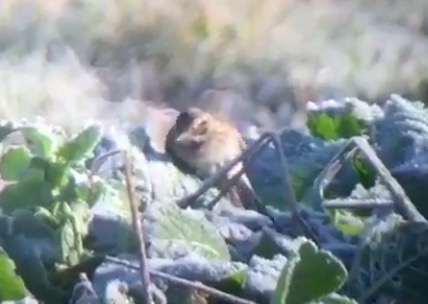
[(348, 150), (288, 191), (248, 153), (402, 202), (183, 282), (101, 159), (258, 205), (228, 185), (357, 204), (138, 229)]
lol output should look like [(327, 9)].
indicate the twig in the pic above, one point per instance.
[(349, 149), (183, 282), (288, 190), (357, 204), (136, 223), (402, 202), (248, 153), (100, 160), (258, 205)]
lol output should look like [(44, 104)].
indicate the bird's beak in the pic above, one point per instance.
[(182, 138)]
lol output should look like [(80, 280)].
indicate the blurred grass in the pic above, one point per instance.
[(66, 59)]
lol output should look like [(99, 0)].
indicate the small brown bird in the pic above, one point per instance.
[(201, 144)]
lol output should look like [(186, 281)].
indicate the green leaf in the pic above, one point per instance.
[(81, 215), (26, 194), (69, 247), (81, 146), (29, 260), (68, 234), (52, 172), (322, 125), (26, 221), (91, 192), (45, 215), (173, 228), (233, 283), (366, 174), (12, 287), (42, 140), (332, 126), (347, 222), (308, 276), (14, 162), (57, 173), (36, 171)]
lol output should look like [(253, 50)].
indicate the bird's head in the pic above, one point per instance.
[(192, 127)]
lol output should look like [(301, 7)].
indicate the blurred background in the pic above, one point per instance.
[(72, 60)]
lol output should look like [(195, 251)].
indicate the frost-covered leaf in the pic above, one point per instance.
[(403, 131), (174, 229), (334, 298), (229, 275), (12, 286), (393, 263), (81, 146), (14, 162), (347, 222), (306, 157), (309, 275), (41, 139)]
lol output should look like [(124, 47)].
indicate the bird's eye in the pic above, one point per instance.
[(200, 127)]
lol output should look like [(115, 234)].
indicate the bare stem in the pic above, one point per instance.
[(138, 229), (183, 282), (357, 204), (288, 190)]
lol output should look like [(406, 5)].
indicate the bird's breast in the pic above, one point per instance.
[(210, 158)]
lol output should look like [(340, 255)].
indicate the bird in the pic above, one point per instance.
[(200, 143)]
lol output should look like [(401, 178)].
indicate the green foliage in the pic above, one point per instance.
[(174, 228), (12, 287), (366, 174), (14, 162), (42, 140), (80, 147), (332, 126), (309, 276), (47, 174), (347, 222)]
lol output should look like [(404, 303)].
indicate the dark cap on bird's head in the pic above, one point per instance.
[(191, 125)]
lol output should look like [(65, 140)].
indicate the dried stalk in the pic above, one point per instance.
[(183, 282), (357, 204), (359, 144), (138, 229)]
